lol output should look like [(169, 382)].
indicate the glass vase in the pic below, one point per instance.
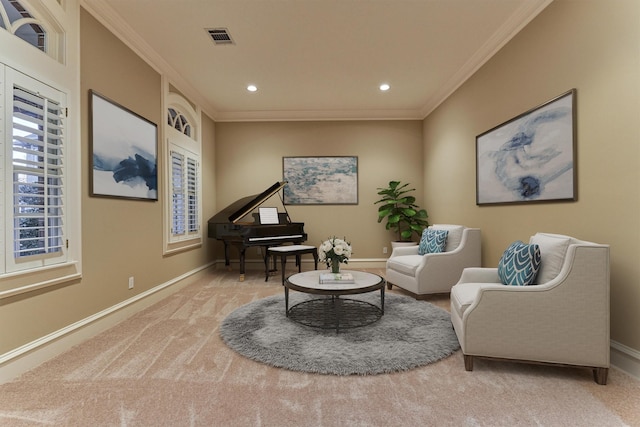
[(335, 266)]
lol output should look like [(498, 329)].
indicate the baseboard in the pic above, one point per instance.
[(258, 264), (625, 358), (30, 355)]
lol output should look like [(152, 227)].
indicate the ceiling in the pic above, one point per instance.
[(316, 59)]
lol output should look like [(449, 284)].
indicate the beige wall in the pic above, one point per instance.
[(593, 46), (249, 160), (120, 238), (589, 45)]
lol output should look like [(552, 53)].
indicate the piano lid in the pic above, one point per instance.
[(254, 201)]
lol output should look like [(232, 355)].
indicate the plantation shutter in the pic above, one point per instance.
[(185, 216), (177, 194), (192, 191), (38, 174)]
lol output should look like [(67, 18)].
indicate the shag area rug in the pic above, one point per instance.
[(410, 334)]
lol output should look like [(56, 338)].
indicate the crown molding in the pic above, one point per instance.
[(111, 20), (518, 20), (316, 115)]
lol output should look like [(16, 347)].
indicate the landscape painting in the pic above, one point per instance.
[(124, 152), (320, 180), (530, 158)]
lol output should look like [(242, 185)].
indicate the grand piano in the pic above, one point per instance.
[(227, 225)]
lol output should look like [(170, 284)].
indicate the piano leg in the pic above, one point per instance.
[(242, 257), (227, 264)]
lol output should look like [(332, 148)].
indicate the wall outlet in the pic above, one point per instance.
[(384, 250), (131, 282)]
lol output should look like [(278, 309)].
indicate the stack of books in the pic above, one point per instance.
[(326, 278)]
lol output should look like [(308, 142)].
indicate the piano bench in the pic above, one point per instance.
[(289, 250)]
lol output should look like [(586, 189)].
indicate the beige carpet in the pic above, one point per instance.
[(166, 366)]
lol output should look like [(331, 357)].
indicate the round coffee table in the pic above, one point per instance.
[(333, 311)]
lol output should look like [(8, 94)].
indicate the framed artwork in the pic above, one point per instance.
[(530, 158), (320, 180), (124, 151)]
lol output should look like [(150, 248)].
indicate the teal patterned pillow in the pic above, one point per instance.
[(519, 264), (432, 241)]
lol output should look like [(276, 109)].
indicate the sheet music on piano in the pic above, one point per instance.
[(269, 216)]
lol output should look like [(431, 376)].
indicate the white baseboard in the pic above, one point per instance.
[(30, 355), (258, 264), (625, 358)]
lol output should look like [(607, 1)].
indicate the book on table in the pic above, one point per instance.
[(326, 278)]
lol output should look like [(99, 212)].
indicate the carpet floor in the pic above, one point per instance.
[(167, 366)]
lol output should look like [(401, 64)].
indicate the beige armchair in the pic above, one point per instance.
[(562, 320), (434, 272)]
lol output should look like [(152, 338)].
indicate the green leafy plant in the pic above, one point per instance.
[(398, 207)]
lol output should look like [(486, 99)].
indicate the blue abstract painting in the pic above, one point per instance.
[(124, 158), (529, 158), (320, 180)]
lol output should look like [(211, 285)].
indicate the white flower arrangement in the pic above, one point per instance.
[(334, 251)]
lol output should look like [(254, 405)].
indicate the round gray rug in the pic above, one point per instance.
[(410, 334)]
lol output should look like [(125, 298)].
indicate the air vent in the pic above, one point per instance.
[(220, 35)]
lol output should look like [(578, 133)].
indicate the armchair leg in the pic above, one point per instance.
[(600, 375), (389, 285), (468, 362)]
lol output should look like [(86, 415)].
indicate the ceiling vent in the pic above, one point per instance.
[(220, 35)]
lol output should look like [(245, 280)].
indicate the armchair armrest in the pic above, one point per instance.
[(479, 275), (404, 250)]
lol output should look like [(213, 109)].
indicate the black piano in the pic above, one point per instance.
[(227, 226)]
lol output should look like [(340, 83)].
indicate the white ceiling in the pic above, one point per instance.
[(317, 59)]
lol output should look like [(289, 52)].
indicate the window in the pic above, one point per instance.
[(35, 179), (37, 174), (185, 215), (17, 20), (33, 22), (40, 170), (184, 210), (179, 122)]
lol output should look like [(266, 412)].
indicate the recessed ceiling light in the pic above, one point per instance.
[(384, 87), (252, 88)]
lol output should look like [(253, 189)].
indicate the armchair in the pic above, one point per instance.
[(434, 272), (564, 319)]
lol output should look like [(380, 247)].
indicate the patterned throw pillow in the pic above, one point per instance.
[(432, 241), (519, 264)]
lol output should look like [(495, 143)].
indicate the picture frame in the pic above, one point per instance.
[(329, 180), (124, 151), (531, 157)]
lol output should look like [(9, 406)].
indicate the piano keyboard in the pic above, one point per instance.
[(289, 236)]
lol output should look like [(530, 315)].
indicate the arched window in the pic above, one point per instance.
[(34, 24), (40, 232), (184, 209), (178, 121), (18, 21)]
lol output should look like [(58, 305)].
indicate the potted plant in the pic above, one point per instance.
[(403, 216)]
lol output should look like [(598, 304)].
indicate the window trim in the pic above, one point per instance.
[(187, 144), (63, 74)]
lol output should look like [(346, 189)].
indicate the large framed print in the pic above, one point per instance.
[(530, 158), (124, 151), (320, 180)]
